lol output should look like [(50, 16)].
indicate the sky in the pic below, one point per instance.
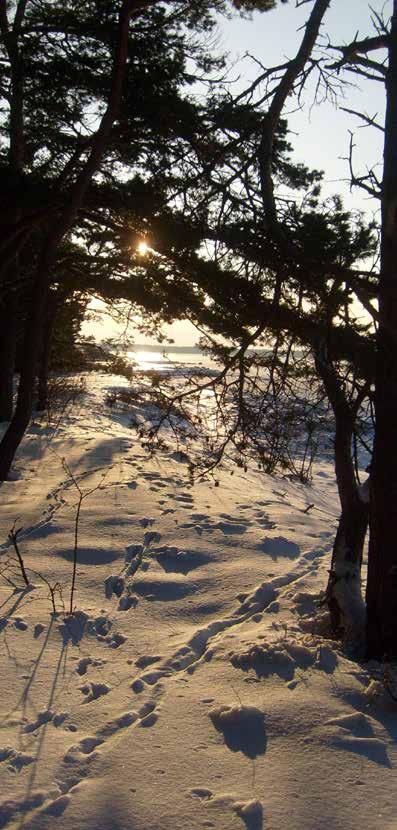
[(320, 133)]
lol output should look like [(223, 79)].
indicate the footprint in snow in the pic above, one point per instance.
[(228, 528), (150, 678), (201, 793), (93, 691), (115, 725), (83, 664), (20, 624), (147, 660), (85, 747), (44, 717), (127, 602), (185, 498), (38, 629), (146, 522), (16, 760), (147, 715), (232, 519), (56, 807)]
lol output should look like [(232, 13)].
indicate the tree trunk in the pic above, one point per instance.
[(8, 337), (343, 593), (42, 391), (382, 566), (29, 360)]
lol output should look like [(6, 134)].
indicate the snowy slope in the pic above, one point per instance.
[(195, 686)]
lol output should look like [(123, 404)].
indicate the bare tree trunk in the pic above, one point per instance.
[(42, 387), (10, 34), (30, 353), (8, 338), (382, 566), (344, 595)]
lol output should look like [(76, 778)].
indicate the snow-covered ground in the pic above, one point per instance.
[(194, 687)]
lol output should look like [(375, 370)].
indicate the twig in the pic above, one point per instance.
[(82, 495), (13, 538)]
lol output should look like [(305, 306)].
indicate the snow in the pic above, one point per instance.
[(196, 684)]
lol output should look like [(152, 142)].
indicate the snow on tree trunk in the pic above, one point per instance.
[(344, 594)]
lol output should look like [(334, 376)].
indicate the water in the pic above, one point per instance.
[(171, 359)]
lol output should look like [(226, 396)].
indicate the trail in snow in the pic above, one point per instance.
[(195, 685)]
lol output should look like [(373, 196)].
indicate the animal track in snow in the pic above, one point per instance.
[(201, 792), (252, 605), (147, 660), (146, 522), (85, 747), (57, 807), (76, 625), (42, 718), (11, 808), (83, 664), (147, 715), (16, 760), (93, 691), (121, 722), (127, 602)]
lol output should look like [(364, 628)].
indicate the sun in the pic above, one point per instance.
[(142, 248)]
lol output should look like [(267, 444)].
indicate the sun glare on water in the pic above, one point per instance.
[(146, 361)]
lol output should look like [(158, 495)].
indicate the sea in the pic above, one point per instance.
[(171, 359)]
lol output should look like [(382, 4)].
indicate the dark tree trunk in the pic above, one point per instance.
[(29, 360), (344, 595), (382, 566), (8, 338), (42, 386)]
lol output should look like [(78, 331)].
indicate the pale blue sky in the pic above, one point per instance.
[(322, 136)]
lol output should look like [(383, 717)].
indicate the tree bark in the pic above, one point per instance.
[(382, 565), (42, 385), (8, 338), (16, 152), (344, 595), (30, 354)]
